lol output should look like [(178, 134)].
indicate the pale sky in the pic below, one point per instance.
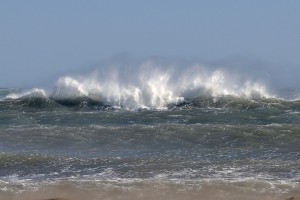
[(41, 40)]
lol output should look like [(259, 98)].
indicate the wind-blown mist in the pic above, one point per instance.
[(153, 85), (157, 85)]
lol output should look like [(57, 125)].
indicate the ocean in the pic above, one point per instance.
[(150, 138)]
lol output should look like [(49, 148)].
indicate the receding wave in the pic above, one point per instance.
[(151, 86)]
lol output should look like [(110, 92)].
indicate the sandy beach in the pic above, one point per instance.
[(150, 192)]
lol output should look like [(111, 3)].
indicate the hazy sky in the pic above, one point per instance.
[(40, 40)]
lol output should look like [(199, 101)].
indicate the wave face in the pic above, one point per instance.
[(153, 86)]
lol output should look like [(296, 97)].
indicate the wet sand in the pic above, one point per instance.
[(293, 198), (149, 192), (290, 198)]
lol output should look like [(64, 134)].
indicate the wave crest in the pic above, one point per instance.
[(151, 86), (155, 88)]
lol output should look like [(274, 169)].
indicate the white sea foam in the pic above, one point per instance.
[(33, 93), (154, 86)]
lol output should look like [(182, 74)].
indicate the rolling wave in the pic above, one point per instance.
[(201, 101), (151, 86)]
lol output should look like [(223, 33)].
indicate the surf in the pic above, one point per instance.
[(152, 85)]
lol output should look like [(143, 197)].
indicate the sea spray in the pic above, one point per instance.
[(155, 87)]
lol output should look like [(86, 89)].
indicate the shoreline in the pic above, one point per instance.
[(149, 192)]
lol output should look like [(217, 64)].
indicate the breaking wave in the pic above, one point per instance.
[(152, 86)]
